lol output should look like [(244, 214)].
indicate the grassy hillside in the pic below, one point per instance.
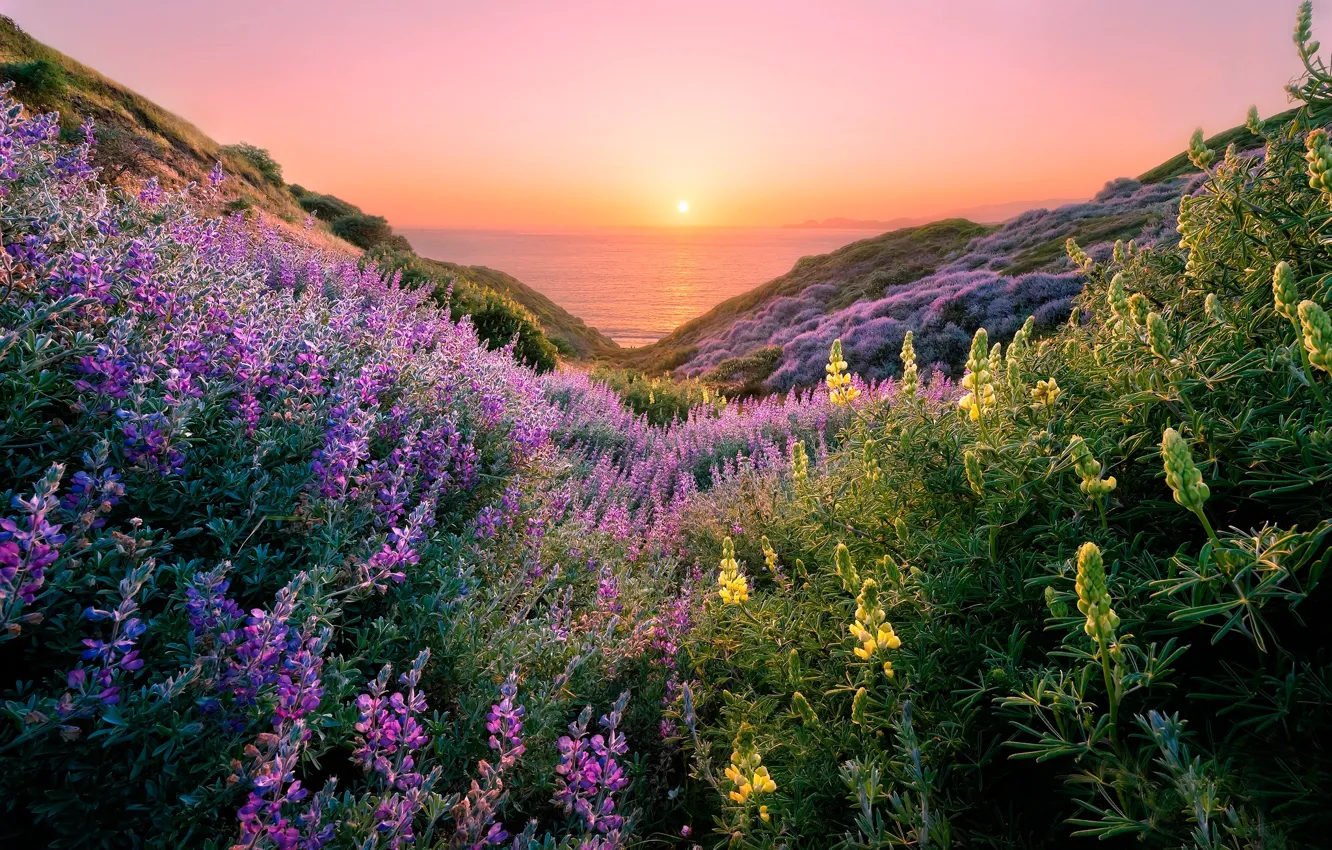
[(571, 335), (863, 269), (137, 139)]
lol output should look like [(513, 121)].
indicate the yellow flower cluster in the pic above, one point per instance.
[(910, 377), (840, 391), (1089, 469), (871, 629), (1201, 155), (1317, 329), (979, 379), (1046, 392), (1181, 473), (1075, 253), (1093, 597), (769, 554), (732, 586), (746, 770)]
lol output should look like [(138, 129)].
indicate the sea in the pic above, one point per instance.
[(635, 285)]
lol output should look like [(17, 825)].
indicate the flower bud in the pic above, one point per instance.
[(974, 475), (1158, 335), (1317, 330), (1318, 155), (1181, 473), (1285, 293), (1252, 122), (845, 569), (1058, 608), (1199, 154), (859, 706), (802, 708), (1093, 597)]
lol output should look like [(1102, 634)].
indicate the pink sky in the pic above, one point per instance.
[(564, 114)]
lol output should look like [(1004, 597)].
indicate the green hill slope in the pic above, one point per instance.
[(138, 139)]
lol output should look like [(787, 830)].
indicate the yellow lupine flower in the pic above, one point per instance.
[(910, 377), (1045, 392), (840, 391), (979, 379), (870, 627), (769, 554), (763, 814), (799, 461), (732, 586), (746, 771)]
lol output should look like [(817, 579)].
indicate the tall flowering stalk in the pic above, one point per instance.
[(589, 776), (908, 386), (476, 813), (29, 544), (1094, 603), (1088, 468), (841, 392), (978, 382), (733, 587), (871, 628), (1184, 478)]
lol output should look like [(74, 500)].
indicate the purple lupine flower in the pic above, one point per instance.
[(487, 523), (29, 545), (504, 722), (216, 176), (93, 491), (390, 738), (210, 611), (113, 657), (476, 813), (588, 775)]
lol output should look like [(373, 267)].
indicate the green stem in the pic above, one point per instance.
[(1111, 691), (1211, 534)]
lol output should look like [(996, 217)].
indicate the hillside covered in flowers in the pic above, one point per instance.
[(291, 558)]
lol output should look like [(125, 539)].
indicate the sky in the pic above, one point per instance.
[(506, 114)]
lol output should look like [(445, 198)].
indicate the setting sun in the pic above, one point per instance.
[(683, 206)]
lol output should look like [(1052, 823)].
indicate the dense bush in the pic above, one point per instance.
[(499, 321), (661, 400), (40, 80), (324, 207), (266, 168), (363, 231)]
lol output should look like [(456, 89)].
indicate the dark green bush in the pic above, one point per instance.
[(259, 159), (326, 207), (38, 81), (363, 231)]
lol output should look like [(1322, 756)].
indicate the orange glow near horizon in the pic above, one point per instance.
[(578, 114)]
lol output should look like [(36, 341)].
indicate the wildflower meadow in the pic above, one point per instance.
[(291, 558)]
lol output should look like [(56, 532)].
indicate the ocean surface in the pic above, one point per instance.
[(635, 284)]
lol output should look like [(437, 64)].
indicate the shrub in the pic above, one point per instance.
[(326, 207), (363, 231), (265, 167), (39, 81)]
